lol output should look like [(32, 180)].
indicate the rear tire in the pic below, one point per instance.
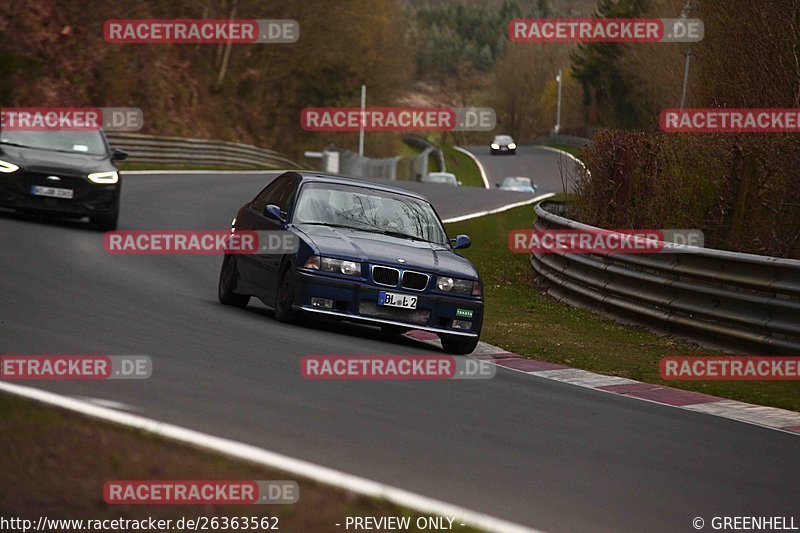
[(284, 296), (459, 345), (228, 277)]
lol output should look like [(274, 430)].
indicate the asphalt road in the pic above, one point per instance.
[(542, 453), (547, 168)]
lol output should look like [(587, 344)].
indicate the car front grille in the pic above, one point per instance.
[(385, 276), (415, 281)]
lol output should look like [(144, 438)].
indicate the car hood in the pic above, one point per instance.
[(386, 250), (34, 160)]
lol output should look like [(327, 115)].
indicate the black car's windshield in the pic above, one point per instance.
[(81, 142), (368, 209)]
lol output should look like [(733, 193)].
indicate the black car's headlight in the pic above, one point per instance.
[(512, 146), (459, 286), (329, 264), (495, 146), (104, 178), (7, 168)]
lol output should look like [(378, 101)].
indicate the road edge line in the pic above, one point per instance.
[(478, 214), (263, 457), (477, 163)]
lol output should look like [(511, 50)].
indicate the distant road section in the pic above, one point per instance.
[(544, 166)]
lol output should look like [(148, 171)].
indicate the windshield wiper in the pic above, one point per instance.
[(330, 224), (402, 235), (16, 144)]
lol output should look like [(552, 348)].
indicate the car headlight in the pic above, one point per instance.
[(460, 286), (104, 177), (495, 146), (511, 146), (7, 168), (328, 264)]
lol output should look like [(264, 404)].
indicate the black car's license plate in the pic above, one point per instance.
[(393, 299), (52, 192)]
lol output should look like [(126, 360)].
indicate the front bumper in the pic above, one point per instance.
[(357, 300), (88, 198)]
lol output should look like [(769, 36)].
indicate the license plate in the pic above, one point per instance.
[(393, 299), (52, 192)]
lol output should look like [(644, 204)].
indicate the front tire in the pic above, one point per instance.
[(284, 297), (228, 278), (459, 345)]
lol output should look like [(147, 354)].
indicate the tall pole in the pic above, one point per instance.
[(687, 10), (363, 120), (558, 104), (686, 76)]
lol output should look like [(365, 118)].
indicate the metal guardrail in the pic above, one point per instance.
[(177, 150), (733, 298), (419, 163), (564, 140), (352, 164)]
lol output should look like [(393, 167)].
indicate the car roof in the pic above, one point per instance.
[(321, 177)]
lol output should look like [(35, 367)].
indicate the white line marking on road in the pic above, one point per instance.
[(745, 412), (479, 165), (499, 209), (584, 378), (253, 454)]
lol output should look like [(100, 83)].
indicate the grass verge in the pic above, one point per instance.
[(522, 318), (54, 463), (463, 167)]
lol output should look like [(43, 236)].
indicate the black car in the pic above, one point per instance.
[(367, 252), (503, 144), (67, 173)]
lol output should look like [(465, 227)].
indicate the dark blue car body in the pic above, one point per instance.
[(398, 265)]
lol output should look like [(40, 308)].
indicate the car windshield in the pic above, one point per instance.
[(368, 209), (517, 182), (82, 142), (502, 139)]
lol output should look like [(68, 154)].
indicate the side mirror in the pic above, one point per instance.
[(461, 242), (274, 212), (118, 155), (496, 183)]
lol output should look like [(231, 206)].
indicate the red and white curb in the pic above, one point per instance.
[(768, 417)]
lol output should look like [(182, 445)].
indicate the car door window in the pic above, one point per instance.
[(264, 198)]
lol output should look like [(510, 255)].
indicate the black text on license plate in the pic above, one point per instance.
[(393, 299)]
